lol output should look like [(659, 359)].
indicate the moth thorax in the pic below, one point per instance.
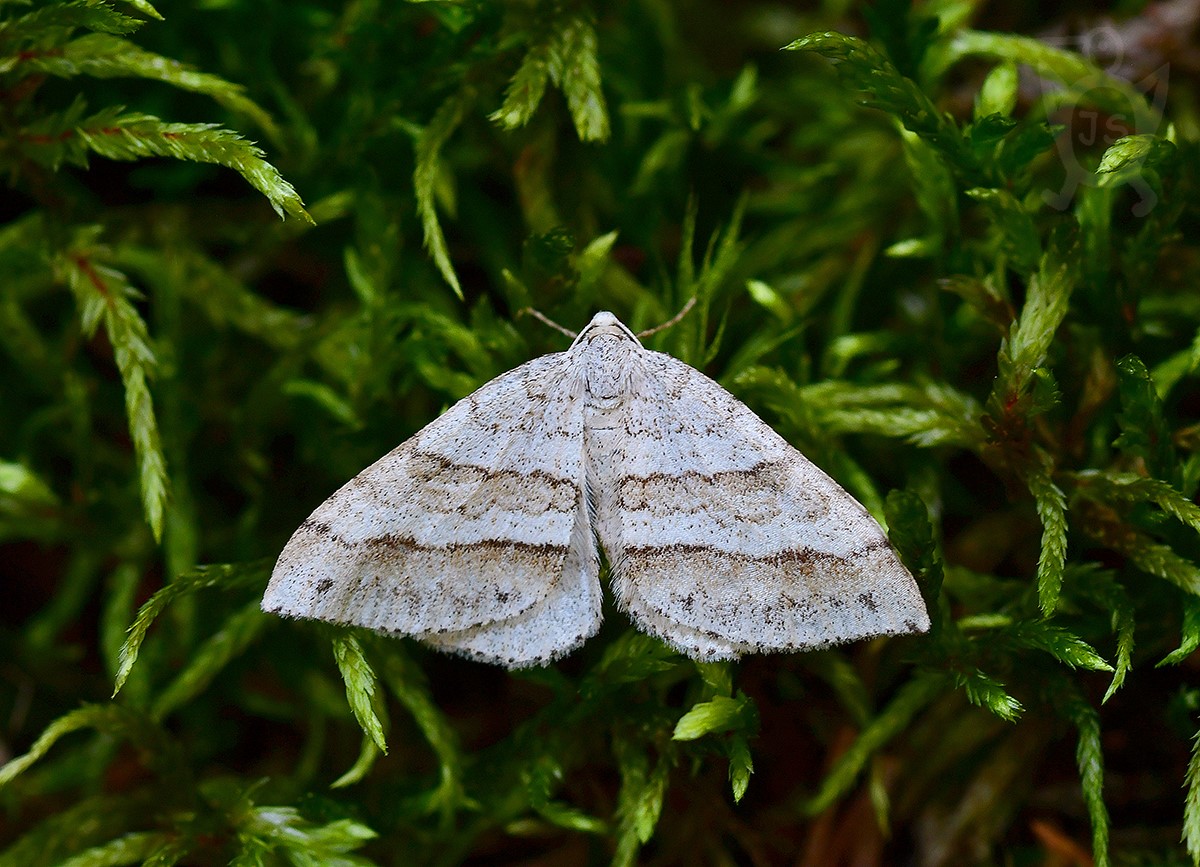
[(606, 368)]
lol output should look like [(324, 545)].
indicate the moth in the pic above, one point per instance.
[(482, 533)]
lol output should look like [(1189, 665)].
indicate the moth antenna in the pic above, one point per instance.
[(546, 320), (672, 321)]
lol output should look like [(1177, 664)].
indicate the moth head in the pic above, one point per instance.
[(605, 324), (606, 351)]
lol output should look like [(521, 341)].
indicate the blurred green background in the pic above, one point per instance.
[(947, 249)]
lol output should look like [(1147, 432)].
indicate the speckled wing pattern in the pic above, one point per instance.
[(724, 539), (479, 535), (468, 535)]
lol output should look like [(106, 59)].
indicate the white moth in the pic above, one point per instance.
[(479, 534)]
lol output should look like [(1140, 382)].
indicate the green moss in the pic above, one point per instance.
[(909, 253)]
